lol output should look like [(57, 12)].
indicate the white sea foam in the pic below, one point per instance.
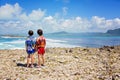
[(54, 40), (57, 43), (7, 46), (1, 43), (15, 42)]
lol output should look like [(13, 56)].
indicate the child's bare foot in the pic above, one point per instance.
[(27, 65), (31, 66), (38, 66)]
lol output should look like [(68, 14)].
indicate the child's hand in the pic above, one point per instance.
[(36, 48)]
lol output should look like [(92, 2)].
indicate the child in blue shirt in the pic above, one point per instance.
[(30, 48)]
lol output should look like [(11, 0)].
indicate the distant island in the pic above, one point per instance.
[(115, 31), (15, 36), (61, 32)]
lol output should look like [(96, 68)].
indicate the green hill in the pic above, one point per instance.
[(115, 31)]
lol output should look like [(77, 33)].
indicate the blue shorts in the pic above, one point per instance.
[(31, 51)]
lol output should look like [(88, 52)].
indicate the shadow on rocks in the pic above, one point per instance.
[(21, 65), (24, 65)]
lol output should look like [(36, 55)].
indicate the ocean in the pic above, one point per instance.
[(70, 40)]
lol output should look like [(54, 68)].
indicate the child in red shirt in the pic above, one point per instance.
[(40, 46)]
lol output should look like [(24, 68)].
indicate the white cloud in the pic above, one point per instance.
[(36, 14), (98, 22), (50, 24), (76, 24), (12, 18), (13, 12), (9, 12), (48, 19), (102, 24), (23, 17)]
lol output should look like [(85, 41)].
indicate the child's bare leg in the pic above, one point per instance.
[(39, 59), (28, 60), (42, 56), (32, 60)]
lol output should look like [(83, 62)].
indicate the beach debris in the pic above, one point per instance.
[(85, 50)]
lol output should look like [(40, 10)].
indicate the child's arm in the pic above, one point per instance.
[(45, 42), (36, 44), (25, 45)]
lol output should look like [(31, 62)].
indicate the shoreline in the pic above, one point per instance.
[(66, 47), (63, 64)]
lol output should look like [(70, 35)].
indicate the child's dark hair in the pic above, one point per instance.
[(40, 32), (30, 32)]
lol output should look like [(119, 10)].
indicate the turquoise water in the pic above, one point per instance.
[(64, 40), (88, 39)]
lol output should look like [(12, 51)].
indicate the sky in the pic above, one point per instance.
[(19, 16)]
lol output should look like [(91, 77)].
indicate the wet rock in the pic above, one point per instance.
[(70, 51), (14, 60), (66, 51), (86, 50), (77, 73), (8, 79)]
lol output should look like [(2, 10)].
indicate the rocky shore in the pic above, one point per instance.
[(63, 64)]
